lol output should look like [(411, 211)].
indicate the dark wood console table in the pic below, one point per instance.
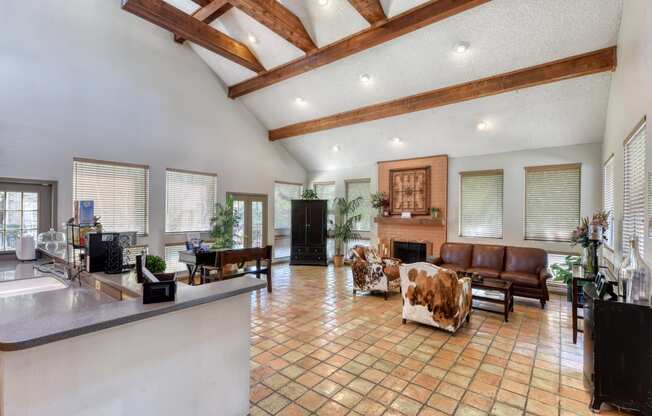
[(490, 287), (618, 352)]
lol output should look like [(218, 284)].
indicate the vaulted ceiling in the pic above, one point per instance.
[(336, 56)]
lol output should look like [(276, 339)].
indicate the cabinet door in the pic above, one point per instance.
[(299, 223), (316, 228)]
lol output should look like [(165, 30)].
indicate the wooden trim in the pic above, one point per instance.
[(110, 163), (409, 21), (411, 158), (176, 21), (360, 180), (371, 10), (289, 183), (324, 183), (568, 166), (191, 172), (276, 17), (482, 172), (573, 67), (635, 131)]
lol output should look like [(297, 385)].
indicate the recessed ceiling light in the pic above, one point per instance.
[(365, 78), (461, 47), (322, 3), (483, 125), (397, 140), (300, 100), (252, 38), (336, 148)]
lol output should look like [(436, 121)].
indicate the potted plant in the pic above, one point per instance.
[(563, 272), (156, 265), (309, 194), (590, 235), (344, 228), (223, 224), (434, 213), (380, 201)]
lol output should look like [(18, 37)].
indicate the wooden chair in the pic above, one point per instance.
[(576, 288)]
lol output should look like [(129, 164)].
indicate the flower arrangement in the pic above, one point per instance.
[(379, 200), (592, 229)]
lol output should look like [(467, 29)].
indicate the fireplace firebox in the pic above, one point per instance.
[(409, 252)]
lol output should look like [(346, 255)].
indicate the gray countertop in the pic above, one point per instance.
[(30, 320)]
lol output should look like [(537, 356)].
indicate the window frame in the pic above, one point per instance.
[(563, 166), (346, 195), (147, 184), (189, 172), (488, 172)]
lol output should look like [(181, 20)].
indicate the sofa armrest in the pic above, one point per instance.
[(437, 261), (544, 275)]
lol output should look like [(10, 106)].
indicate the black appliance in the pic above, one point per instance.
[(309, 232), (96, 250), (617, 350), (410, 252)]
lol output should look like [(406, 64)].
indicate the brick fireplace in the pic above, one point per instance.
[(418, 229)]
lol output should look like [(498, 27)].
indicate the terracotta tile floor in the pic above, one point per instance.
[(316, 349)]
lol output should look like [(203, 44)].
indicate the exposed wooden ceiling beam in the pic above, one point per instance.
[(176, 21), (576, 66), (279, 19), (208, 14), (409, 21), (371, 10), (202, 3)]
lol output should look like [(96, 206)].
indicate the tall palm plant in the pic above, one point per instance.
[(344, 230), (223, 224)]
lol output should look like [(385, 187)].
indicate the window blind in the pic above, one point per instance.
[(172, 258), (481, 204), (608, 189), (552, 202), (120, 192), (326, 190), (189, 200), (283, 194), (360, 188), (634, 192)]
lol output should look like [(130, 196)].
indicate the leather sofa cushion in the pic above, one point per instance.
[(454, 267), (521, 279), (488, 257), (484, 272), (457, 253), (525, 260)]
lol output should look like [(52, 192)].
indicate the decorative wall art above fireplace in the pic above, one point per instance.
[(409, 191)]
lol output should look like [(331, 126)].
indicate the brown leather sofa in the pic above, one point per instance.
[(526, 268)]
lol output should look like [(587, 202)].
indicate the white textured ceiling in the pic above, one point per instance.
[(504, 35)]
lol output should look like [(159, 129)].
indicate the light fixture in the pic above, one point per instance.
[(461, 47), (483, 125), (300, 100), (336, 148), (396, 140), (322, 3), (365, 78), (252, 38)]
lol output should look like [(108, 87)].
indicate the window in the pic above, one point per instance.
[(19, 215), (608, 189), (360, 188), (552, 202), (189, 200), (326, 190), (283, 194), (120, 192), (481, 204), (634, 192)]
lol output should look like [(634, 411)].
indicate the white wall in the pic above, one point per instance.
[(513, 165), (630, 97), (83, 78)]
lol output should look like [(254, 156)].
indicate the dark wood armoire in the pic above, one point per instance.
[(618, 352), (309, 232)]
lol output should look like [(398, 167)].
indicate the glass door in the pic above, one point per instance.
[(252, 229)]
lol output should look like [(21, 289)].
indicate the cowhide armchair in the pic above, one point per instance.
[(435, 296), (374, 273)]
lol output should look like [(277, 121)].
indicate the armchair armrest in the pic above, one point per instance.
[(544, 275), (391, 261), (437, 261)]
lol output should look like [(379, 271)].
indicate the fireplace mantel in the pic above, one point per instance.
[(423, 221)]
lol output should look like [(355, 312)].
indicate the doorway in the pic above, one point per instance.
[(26, 207), (252, 229)]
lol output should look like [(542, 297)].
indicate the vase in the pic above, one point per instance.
[(590, 259), (635, 276)]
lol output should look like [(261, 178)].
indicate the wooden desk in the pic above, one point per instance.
[(217, 259)]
